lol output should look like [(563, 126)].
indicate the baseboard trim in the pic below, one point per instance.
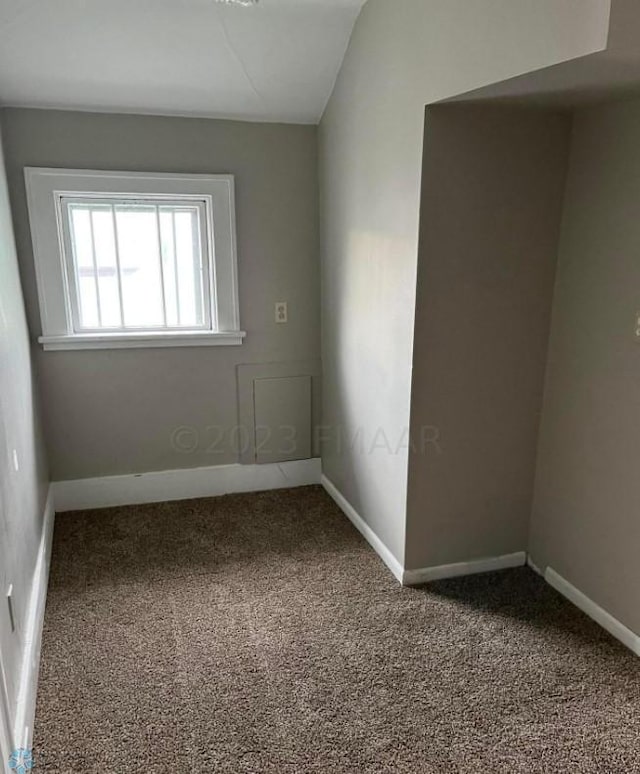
[(473, 567), (363, 528), (161, 486), (28, 686), (617, 629)]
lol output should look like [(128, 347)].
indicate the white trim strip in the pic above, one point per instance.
[(628, 638), (94, 260), (116, 249), (440, 572), (142, 340), (87, 493), (365, 530), (161, 265), (26, 704)]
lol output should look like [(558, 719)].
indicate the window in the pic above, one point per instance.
[(136, 264), (134, 260)]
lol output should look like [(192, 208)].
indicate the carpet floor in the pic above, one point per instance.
[(259, 633)]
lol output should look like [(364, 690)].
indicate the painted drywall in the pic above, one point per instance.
[(116, 411), (585, 521), (493, 186), (608, 74), (401, 57), (274, 61), (23, 491)]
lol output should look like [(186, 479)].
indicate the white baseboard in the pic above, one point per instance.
[(594, 611), (425, 574), (440, 572), (365, 530), (86, 493), (26, 704)]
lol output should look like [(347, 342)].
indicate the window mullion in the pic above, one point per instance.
[(176, 273), (198, 273), (95, 267), (118, 269), (164, 300)]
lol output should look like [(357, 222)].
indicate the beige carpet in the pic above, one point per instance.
[(259, 633)]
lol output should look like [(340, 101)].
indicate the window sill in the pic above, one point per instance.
[(142, 340)]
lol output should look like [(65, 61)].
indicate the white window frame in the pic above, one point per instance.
[(209, 310), (47, 192)]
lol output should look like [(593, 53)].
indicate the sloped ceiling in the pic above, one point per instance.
[(276, 61)]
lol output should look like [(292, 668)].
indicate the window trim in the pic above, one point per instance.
[(46, 189)]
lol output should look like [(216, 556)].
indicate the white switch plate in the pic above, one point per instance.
[(281, 312)]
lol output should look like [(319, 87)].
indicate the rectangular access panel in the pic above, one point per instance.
[(282, 418)]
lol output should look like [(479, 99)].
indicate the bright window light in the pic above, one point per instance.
[(139, 265)]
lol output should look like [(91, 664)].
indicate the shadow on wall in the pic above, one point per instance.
[(493, 184)]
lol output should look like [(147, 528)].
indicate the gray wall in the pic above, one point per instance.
[(402, 56), (493, 186), (114, 411), (23, 492), (586, 517)]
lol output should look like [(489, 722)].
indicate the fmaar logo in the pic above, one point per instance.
[(21, 761)]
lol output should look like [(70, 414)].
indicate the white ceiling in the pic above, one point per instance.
[(276, 61)]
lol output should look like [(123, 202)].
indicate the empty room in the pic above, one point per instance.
[(320, 386)]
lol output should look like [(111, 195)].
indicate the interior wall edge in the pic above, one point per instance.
[(584, 518), (484, 304)]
